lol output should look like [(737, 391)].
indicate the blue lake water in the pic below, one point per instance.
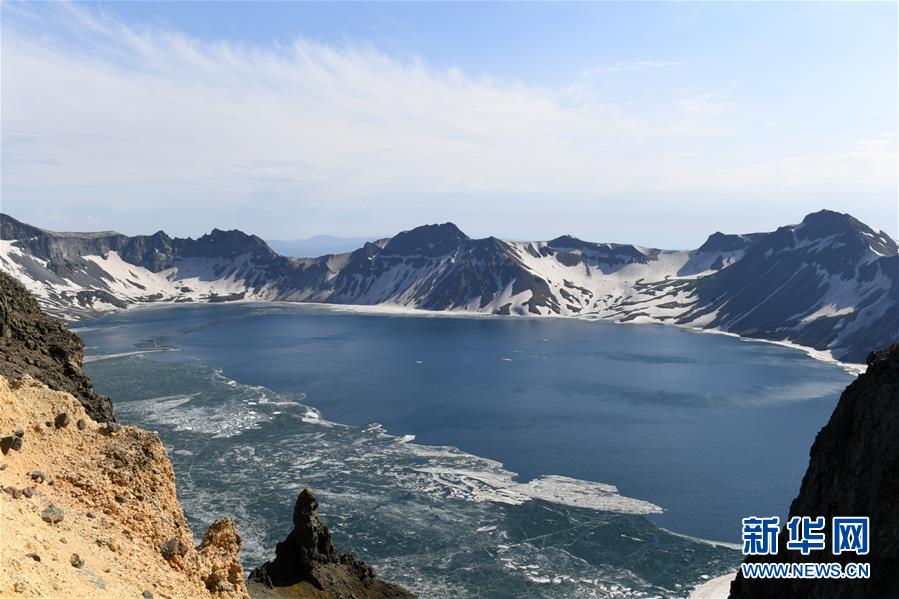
[(256, 401)]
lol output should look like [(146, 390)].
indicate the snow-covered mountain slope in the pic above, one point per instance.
[(829, 283)]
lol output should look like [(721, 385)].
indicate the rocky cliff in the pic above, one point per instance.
[(88, 507), (44, 348), (853, 471), (306, 564)]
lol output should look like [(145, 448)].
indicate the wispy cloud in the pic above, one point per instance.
[(150, 105), (620, 67), (703, 103), (101, 113)]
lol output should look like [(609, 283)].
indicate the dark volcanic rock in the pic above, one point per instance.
[(427, 240), (719, 242), (33, 343), (10, 228), (53, 514), (853, 471), (11, 442), (307, 557), (785, 275), (172, 548)]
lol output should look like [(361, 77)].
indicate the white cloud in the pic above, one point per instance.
[(155, 105), (109, 114), (623, 67), (704, 103)]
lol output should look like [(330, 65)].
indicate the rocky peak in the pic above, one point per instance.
[(314, 538), (11, 228), (570, 251), (221, 243), (568, 242), (427, 240), (307, 558), (154, 252), (826, 241), (721, 242), (828, 220), (219, 556), (847, 229)]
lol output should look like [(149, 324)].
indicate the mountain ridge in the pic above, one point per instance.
[(828, 283)]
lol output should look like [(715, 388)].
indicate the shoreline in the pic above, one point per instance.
[(714, 588), (397, 310), (815, 354)]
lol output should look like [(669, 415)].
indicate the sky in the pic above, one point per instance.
[(649, 123)]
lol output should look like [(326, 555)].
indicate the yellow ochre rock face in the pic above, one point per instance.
[(90, 510)]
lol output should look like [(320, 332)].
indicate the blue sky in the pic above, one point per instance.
[(654, 123)]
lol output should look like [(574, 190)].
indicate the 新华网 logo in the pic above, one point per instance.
[(848, 534)]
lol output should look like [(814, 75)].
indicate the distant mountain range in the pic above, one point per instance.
[(828, 283), (318, 245)]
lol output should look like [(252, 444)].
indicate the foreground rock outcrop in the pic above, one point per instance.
[(40, 346), (89, 509), (306, 564), (853, 471)]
